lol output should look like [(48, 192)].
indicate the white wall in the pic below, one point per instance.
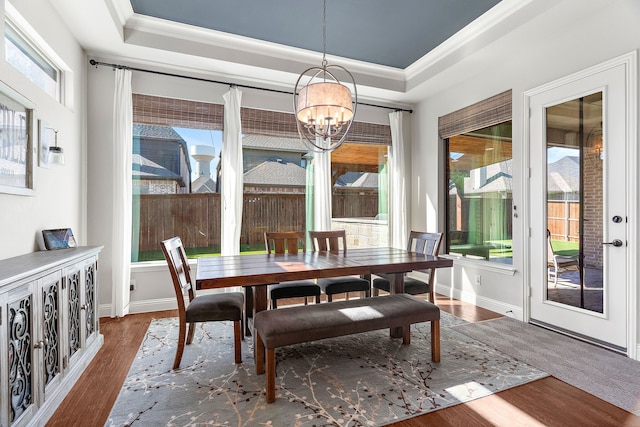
[(570, 36), (59, 199)]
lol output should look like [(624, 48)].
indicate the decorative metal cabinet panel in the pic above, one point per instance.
[(49, 328)]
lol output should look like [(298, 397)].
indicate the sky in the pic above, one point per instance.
[(556, 153), (201, 137)]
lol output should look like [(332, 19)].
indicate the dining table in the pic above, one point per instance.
[(256, 271)]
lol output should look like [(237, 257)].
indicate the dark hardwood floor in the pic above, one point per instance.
[(546, 402)]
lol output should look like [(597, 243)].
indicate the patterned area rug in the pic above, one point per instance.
[(361, 380)]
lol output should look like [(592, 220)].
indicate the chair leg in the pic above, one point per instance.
[(375, 292), (329, 298), (180, 348), (192, 330), (271, 375), (317, 299), (237, 340), (259, 354), (406, 334), (435, 341)]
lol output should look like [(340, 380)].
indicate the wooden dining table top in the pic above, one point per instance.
[(260, 269)]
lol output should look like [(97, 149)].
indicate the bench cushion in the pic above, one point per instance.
[(294, 325)]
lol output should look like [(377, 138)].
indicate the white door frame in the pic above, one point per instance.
[(630, 61)]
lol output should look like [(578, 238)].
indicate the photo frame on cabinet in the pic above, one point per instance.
[(17, 152)]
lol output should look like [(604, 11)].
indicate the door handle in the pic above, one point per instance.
[(616, 242)]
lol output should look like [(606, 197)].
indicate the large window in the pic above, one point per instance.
[(479, 176), (27, 58), (176, 178)]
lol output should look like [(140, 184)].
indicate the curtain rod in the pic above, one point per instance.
[(125, 67)]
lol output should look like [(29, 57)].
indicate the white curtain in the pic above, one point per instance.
[(322, 188), (398, 181), (122, 148), (232, 174)]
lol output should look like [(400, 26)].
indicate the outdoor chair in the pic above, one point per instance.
[(558, 264), (335, 242), (424, 243), (290, 242), (203, 308)]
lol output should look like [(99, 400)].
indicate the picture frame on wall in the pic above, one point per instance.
[(17, 152), (45, 140)]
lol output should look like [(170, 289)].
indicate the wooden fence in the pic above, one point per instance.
[(563, 219), (196, 217)]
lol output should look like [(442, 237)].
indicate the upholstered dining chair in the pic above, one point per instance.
[(202, 308), (336, 242), (558, 264), (424, 243), (289, 242)]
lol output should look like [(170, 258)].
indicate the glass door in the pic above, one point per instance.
[(579, 207)]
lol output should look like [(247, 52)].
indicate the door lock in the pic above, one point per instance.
[(616, 242), (617, 219)]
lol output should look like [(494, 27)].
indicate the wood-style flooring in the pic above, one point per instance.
[(546, 402)]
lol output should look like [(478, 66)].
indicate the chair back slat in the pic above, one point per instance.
[(179, 268), (329, 241), (424, 243), (279, 243)]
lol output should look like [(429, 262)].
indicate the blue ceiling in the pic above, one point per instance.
[(394, 33)]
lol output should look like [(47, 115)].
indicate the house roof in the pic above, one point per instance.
[(144, 168), (203, 184), (156, 132), (277, 172), (366, 180), (564, 175), (262, 142)]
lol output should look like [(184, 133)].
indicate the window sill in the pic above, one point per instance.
[(485, 265)]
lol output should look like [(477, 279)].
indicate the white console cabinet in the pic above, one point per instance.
[(49, 330)]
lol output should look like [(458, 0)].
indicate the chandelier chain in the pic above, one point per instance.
[(324, 34)]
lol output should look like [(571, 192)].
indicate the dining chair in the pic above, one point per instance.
[(558, 264), (335, 242), (202, 308), (290, 242), (423, 243)]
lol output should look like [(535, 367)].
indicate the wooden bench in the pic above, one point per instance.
[(295, 325)]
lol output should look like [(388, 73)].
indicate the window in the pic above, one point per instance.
[(27, 59), (479, 169), (176, 178)]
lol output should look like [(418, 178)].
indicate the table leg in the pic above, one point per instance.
[(396, 286), (248, 310), (259, 304)]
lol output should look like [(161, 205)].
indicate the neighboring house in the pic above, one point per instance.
[(278, 165), (159, 170), (357, 182), (275, 175), (563, 179)]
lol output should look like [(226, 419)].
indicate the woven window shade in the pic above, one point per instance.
[(272, 123), (159, 111), (480, 115)]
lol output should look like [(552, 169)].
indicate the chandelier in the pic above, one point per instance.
[(324, 107)]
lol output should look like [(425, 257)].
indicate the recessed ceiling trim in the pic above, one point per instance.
[(187, 39)]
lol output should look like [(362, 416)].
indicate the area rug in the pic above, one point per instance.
[(361, 380), (608, 375)]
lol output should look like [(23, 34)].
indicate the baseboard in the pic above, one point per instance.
[(145, 306), (483, 302)]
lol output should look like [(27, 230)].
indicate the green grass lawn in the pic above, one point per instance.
[(564, 248)]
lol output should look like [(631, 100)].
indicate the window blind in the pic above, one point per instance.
[(480, 115)]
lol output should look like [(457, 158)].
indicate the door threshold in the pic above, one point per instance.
[(585, 338)]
